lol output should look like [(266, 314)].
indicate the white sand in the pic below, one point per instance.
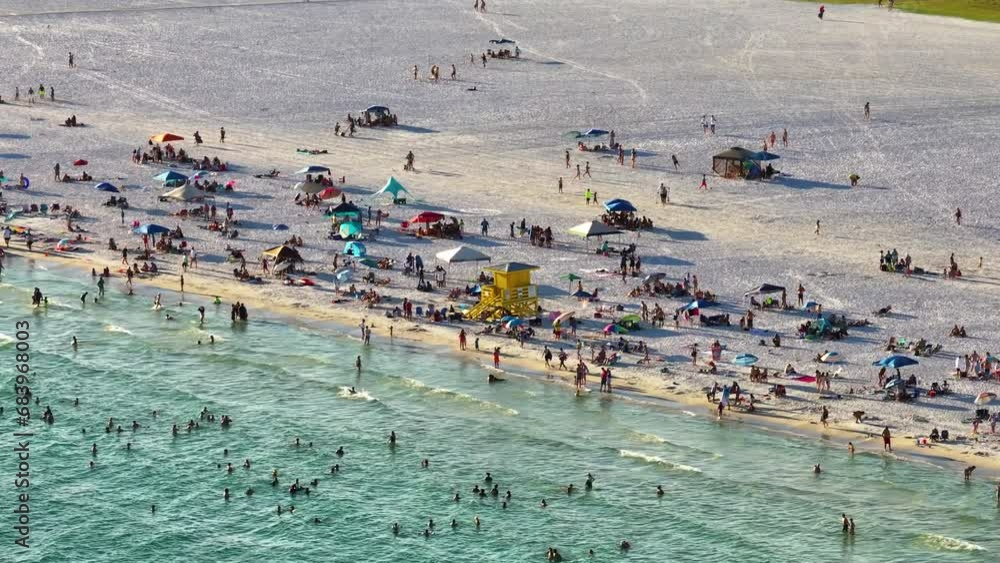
[(278, 76)]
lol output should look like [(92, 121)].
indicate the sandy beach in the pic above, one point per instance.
[(497, 153)]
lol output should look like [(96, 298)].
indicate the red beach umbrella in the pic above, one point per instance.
[(427, 217), (80, 162)]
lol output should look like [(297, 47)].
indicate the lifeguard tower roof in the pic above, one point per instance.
[(511, 267)]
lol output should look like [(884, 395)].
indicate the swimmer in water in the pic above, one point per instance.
[(352, 391), (92, 464), (395, 528), (569, 489), (457, 498), (544, 504), (845, 524), (427, 533), (169, 318), (425, 463), (430, 524), (590, 482), (152, 508), (340, 451), (454, 523), (624, 545), (316, 520), (659, 490), (817, 469), (508, 495), (249, 491), (477, 522), (93, 449), (488, 478), (392, 438), (211, 339), (75, 343), (225, 494), (850, 448)]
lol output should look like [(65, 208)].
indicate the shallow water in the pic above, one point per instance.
[(733, 493)]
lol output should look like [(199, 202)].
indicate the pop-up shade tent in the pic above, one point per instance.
[(345, 209), (166, 138), (393, 188), (462, 254), (736, 162), (283, 253), (355, 249), (378, 111), (593, 229), (170, 176), (187, 192), (427, 217), (350, 229)]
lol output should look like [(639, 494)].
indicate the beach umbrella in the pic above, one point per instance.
[(107, 187), (502, 41), (13, 214), (595, 133), (563, 317), (582, 294), (330, 193), (350, 229), (505, 318), (985, 398), (570, 278), (314, 169), (283, 253), (619, 206), (63, 244), (830, 357), (187, 192), (355, 249), (280, 227), (170, 176), (764, 156), (764, 289), (150, 229), (697, 304), (165, 138), (745, 360), (343, 275), (613, 328), (427, 217), (462, 254), (894, 382), (199, 175), (514, 323), (633, 318), (810, 305), (80, 162), (593, 229), (896, 361), (310, 188), (653, 277)]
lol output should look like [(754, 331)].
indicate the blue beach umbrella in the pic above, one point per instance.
[(355, 249), (280, 227), (150, 229), (620, 206), (170, 176), (107, 187), (896, 361), (745, 360)]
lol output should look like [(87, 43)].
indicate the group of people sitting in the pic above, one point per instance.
[(758, 375), (504, 53), (891, 262), (115, 201), (72, 122), (84, 177), (919, 348), (627, 220), (958, 331)]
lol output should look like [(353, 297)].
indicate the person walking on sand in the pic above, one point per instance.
[(222, 134), (784, 137), (586, 196), (560, 184), (825, 417), (586, 170), (664, 194), (886, 440), (868, 111), (822, 10), (461, 340), (801, 292), (56, 170), (704, 182), (71, 64), (958, 217), (454, 72), (496, 357), (634, 155), (577, 177), (817, 227), (677, 163), (567, 158), (415, 72)]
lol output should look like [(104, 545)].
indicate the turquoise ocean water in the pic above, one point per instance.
[(732, 493)]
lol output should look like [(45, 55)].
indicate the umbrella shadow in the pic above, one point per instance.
[(681, 234), (665, 261), (415, 129), (15, 136), (805, 184), (14, 156)]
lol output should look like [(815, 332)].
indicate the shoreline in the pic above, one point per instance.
[(768, 418)]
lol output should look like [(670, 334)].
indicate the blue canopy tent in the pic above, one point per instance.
[(619, 206), (350, 229), (150, 229), (378, 110), (355, 249), (107, 187)]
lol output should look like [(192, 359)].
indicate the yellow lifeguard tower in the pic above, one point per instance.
[(511, 293)]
